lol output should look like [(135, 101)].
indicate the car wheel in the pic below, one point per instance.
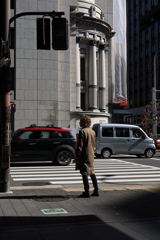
[(139, 155), (149, 153), (64, 157), (106, 153)]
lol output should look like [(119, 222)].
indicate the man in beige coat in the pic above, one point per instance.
[(85, 155)]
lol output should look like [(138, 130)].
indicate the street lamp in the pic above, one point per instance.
[(154, 90)]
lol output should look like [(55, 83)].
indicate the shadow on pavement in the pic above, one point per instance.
[(70, 227), (134, 204), (143, 204)]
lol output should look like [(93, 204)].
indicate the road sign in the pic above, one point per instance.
[(54, 211)]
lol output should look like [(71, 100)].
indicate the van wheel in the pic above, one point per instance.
[(106, 153), (149, 153)]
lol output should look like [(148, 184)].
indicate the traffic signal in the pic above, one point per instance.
[(60, 34), (43, 34), (13, 107)]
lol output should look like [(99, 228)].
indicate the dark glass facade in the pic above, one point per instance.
[(143, 42)]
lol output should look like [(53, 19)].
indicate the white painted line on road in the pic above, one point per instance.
[(66, 169), (47, 178), (75, 174), (67, 182), (97, 169), (79, 177), (132, 180), (156, 159), (143, 165), (134, 176)]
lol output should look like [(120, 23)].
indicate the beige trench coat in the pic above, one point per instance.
[(85, 151)]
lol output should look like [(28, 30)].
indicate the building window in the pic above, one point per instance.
[(153, 32), (147, 67), (140, 70), (152, 3), (147, 51), (153, 48), (141, 96), (135, 98), (140, 40), (83, 101), (135, 72), (135, 43), (146, 36), (82, 69), (146, 6), (140, 11)]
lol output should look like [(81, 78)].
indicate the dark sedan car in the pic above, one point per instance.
[(43, 143)]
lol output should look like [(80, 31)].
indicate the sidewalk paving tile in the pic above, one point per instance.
[(112, 215)]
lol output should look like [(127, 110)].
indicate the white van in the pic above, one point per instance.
[(115, 138)]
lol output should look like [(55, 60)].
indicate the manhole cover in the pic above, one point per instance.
[(36, 184), (51, 198)]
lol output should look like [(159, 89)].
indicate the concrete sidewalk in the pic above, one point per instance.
[(46, 213)]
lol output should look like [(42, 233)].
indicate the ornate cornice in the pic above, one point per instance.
[(96, 23)]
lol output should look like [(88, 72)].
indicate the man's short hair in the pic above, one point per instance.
[(85, 121)]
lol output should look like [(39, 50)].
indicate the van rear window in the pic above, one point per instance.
[(107, 132), (122, 132)]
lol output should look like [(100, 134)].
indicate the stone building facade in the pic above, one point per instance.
[(56, 87)]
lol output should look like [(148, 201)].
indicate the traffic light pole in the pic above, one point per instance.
[(5, 125), (51, 14)]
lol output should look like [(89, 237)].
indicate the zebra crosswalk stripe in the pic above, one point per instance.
[(110, 171)]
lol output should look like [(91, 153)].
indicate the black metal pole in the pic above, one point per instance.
[(51, 14), (5, 107)]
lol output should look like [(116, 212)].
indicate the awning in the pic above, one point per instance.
[(122, 111)]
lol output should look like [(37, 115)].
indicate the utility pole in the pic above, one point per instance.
[(5, 126)]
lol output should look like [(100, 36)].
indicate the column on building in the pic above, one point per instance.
[(78, 80), (102, 79), (92, 76)]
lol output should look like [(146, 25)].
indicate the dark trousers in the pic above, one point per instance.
[(86, 183)]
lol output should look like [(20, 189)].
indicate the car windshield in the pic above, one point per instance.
[(15, 134)]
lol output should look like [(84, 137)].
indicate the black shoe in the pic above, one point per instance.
[(95, 193), (84, 195)]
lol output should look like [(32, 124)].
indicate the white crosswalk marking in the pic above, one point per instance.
[(107, 171)]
